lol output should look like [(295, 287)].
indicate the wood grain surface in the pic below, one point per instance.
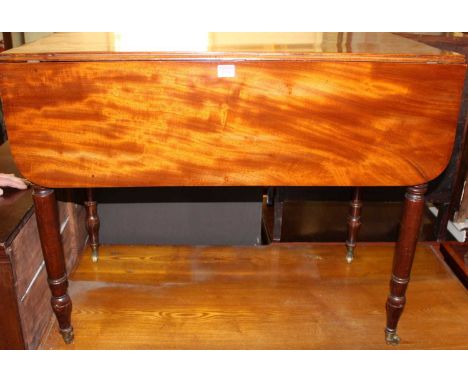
[(284, 46), (11, 336), (282, 296), (109, 124)]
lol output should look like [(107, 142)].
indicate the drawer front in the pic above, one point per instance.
[(27, 253)]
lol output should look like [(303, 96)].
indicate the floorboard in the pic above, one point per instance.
[(281, 296)]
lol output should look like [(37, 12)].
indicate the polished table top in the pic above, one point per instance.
[(279, 45), (233, 109)]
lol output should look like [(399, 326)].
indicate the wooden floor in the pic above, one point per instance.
[(282, 296)]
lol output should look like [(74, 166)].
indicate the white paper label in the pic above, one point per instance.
[(226, 71)]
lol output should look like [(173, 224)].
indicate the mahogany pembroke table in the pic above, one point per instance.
[(92, 110)]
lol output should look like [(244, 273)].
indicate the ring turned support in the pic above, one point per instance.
[(354, 223), (403, 258), (92, 224), (49, 232)]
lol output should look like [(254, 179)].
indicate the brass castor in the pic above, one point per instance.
[(67, 335), (349, 254), (95, 255), (391, 337)]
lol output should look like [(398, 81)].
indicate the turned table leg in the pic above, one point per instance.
[(92, 224), (403, 258), (354, 222), (49, 232)]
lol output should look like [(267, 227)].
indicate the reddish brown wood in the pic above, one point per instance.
[(146, 124), (107, 117), (243, 46), (403, 258), (11, 335), (456, 256), (448, 188), (49, 232), (354, 223), (7, 40), (92, 223)]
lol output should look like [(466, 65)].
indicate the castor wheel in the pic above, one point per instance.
[(391, 338)]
